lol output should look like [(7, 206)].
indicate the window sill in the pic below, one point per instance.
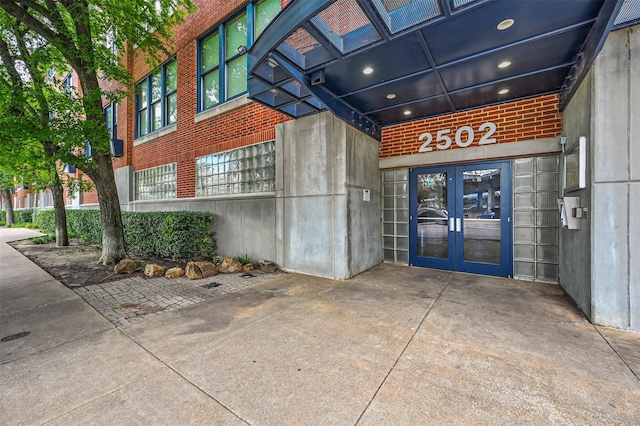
[(155, 135), (222, 108)]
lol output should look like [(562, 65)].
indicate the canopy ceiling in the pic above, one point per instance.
[(375, 63)]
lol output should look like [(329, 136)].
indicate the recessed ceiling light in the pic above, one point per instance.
[(506, 24), (367, 70), (407, 112), (504, 64), (503, 92), (391, 96)]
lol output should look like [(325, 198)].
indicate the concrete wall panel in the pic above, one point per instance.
[(325, 228), (309, 235), (611, 110), (308, 161), (258, 228), (634, 101), (365, 232), (575, 245), (610, 266), (634, 251), (240, 225)]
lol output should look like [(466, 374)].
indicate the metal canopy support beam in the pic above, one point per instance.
[(592, 46), (284, 24), (335, 105), (434, 67)]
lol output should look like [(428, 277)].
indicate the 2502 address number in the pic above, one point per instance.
[(463, 137)]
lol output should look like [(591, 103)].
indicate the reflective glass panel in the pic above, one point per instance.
[(210, 54), (432, 216), (237, 76), (236, 35), (265, 12), (481, 206), (172, 76), (211, 89)]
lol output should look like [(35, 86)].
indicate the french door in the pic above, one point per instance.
[(460, 218)]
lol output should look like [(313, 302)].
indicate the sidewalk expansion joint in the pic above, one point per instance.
[(393, 367)]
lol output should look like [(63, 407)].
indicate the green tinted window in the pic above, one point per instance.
[(142, 90), (142, 122), (156, 87), (172, 108), (211, 89), (266, 10), (172, 76), (237, 76), (236, 35), (210, 55), (156, 116)]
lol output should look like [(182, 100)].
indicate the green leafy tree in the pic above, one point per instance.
[(83, 32), (6, 183), (25, 114)]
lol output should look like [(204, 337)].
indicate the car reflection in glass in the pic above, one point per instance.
[(487, 215), (429, 215)]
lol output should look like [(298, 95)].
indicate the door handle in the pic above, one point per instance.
[(452, 226), (458, 224)]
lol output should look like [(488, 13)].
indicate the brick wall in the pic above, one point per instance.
[(534, 118), (246, 125)]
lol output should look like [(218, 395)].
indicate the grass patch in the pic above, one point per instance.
[(244, 259), (28, 225), (45, 239)]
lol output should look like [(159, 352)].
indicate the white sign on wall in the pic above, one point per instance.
[(463, 137)]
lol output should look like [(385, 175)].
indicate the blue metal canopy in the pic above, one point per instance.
[(375, 63)]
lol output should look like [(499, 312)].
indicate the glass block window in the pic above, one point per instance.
[(156, 99), (156, 183), (395, 216), (536, 218), (222, 53), (246, 170)]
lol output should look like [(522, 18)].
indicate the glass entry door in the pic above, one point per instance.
[(460, 218)]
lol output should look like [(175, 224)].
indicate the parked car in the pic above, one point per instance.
[(488, 214)]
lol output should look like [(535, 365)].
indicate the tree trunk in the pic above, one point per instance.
[(62, 236), (6, 194), (113, 246)]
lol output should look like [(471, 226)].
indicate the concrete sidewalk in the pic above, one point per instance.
[(395, 345)]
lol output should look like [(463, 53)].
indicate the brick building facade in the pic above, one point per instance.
[(475, 190)]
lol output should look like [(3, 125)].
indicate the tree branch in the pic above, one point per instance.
[(39, 27)]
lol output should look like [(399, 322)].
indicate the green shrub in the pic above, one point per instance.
[(23, 215), (176, 235), (3, 216), (46, 221)]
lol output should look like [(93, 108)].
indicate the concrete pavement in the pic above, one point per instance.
[(395, 345)]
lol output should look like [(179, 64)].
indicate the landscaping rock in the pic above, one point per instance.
[(174, 272), (248, 267), (267, 266), (208, 269), (153, 270), (230, 266), (192, 271), (127, 266)]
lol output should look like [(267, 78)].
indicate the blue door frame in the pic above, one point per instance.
[(457, 220)]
